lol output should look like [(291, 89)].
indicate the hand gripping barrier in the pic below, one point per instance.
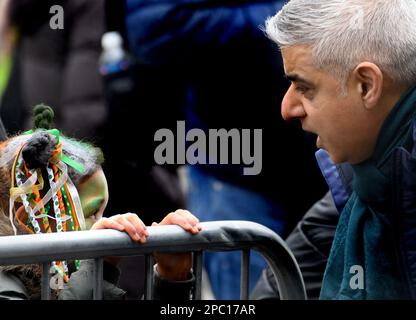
[(215, 236)]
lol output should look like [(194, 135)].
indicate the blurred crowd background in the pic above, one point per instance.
[(119, 70)]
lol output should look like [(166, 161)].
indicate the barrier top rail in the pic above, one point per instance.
[(215, 236)]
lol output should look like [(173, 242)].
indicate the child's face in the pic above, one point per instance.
[(93, 193)]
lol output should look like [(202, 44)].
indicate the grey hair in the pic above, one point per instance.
[(343, 33)]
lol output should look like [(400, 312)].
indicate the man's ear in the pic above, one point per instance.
[(369, 80)]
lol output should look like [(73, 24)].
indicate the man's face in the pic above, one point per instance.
[(341, 122)]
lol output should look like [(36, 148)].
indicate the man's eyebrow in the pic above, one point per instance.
[(296, 78)]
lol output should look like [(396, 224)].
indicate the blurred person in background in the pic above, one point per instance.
[(58, 67), (209, 63), (7, 40)]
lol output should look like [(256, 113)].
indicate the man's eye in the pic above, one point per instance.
[(301, 90)]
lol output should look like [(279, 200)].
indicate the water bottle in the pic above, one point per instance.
[(113, 57), (116, 68)]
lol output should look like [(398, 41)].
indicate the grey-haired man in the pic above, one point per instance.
[(351, 64)]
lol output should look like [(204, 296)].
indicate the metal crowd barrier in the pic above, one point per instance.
[(215, 236)]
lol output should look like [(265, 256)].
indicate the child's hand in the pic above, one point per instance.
[(170, 266), (128, 222), (182, 218)]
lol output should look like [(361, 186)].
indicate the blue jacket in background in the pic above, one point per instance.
[(233, 77)]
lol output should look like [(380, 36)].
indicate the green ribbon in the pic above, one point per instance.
[(70, 162)]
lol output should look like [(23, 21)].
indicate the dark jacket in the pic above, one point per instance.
[(80, 285), (23, 283), (311, 240), (310, 243)]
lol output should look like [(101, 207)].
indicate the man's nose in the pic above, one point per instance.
[(292, 107)]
